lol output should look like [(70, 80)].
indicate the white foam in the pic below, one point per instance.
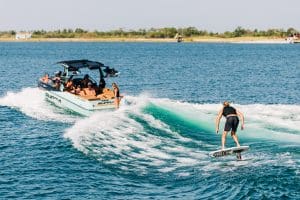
[(31, 101), (278, 122), (183, 174), (285, 116), (166, 169), (120, 139), (280, 115)]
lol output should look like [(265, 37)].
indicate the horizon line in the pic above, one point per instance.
[(147, 29)]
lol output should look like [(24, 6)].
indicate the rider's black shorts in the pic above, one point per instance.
[(232, 123)]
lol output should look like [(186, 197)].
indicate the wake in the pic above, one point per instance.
[(31, 102), (278, 122), (133, 139), (149, 134)]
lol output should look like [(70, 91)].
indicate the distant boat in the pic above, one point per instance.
[(71, 98), (294, 38), (23, 35), (179, 37), (290, 40)]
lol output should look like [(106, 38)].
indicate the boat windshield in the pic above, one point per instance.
[(93, 74)]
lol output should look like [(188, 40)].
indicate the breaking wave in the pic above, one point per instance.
[(163, 135)]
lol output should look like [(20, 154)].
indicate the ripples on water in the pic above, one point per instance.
[(155, 146)]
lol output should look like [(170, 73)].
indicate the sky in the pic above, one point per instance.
[(105, 15)]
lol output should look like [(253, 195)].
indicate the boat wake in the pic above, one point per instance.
[(165, 136), (133, 139), (31, 102), (161, 135)]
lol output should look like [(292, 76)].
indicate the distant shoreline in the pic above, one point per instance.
[(264, 40)]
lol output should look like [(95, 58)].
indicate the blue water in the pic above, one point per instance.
[(156, 145)]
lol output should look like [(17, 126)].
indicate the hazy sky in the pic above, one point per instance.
[(211, 15)]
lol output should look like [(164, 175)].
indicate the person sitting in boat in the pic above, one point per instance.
[(69, 86), (78, 91), (85, 81), (90, 91), (45, 78), (57, 80)]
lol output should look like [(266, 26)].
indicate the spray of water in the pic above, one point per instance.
[(31, 101), (135, 140)]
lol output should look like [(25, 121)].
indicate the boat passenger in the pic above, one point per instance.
[(90, 91), (69, 86), (117, 95), (85, 81), (45, 78), (57, 80), (78, 91)]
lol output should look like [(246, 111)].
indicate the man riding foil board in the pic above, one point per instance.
[(232, 116)]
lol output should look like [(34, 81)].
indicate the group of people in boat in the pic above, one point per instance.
[(55, 81), (84, 88)]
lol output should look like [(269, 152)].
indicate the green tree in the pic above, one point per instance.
[(12, 32), (291, 31), (190, 31), (238, 32), (79, 30)]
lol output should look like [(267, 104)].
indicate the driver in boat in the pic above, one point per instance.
[(57, 80), (232, 121)]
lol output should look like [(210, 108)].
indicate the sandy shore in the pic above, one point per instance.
[(246, 40), (191, 39)]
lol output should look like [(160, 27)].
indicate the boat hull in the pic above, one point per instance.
[(76, 103)]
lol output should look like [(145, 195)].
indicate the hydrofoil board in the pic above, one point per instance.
[(229, 151)]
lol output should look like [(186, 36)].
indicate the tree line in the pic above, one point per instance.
[(168, 32)]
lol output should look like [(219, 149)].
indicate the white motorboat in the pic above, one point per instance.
[(72, 98)]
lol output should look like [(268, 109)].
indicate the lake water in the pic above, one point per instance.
[(156, 145)]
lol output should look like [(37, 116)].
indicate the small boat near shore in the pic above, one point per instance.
[(79, 92)]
